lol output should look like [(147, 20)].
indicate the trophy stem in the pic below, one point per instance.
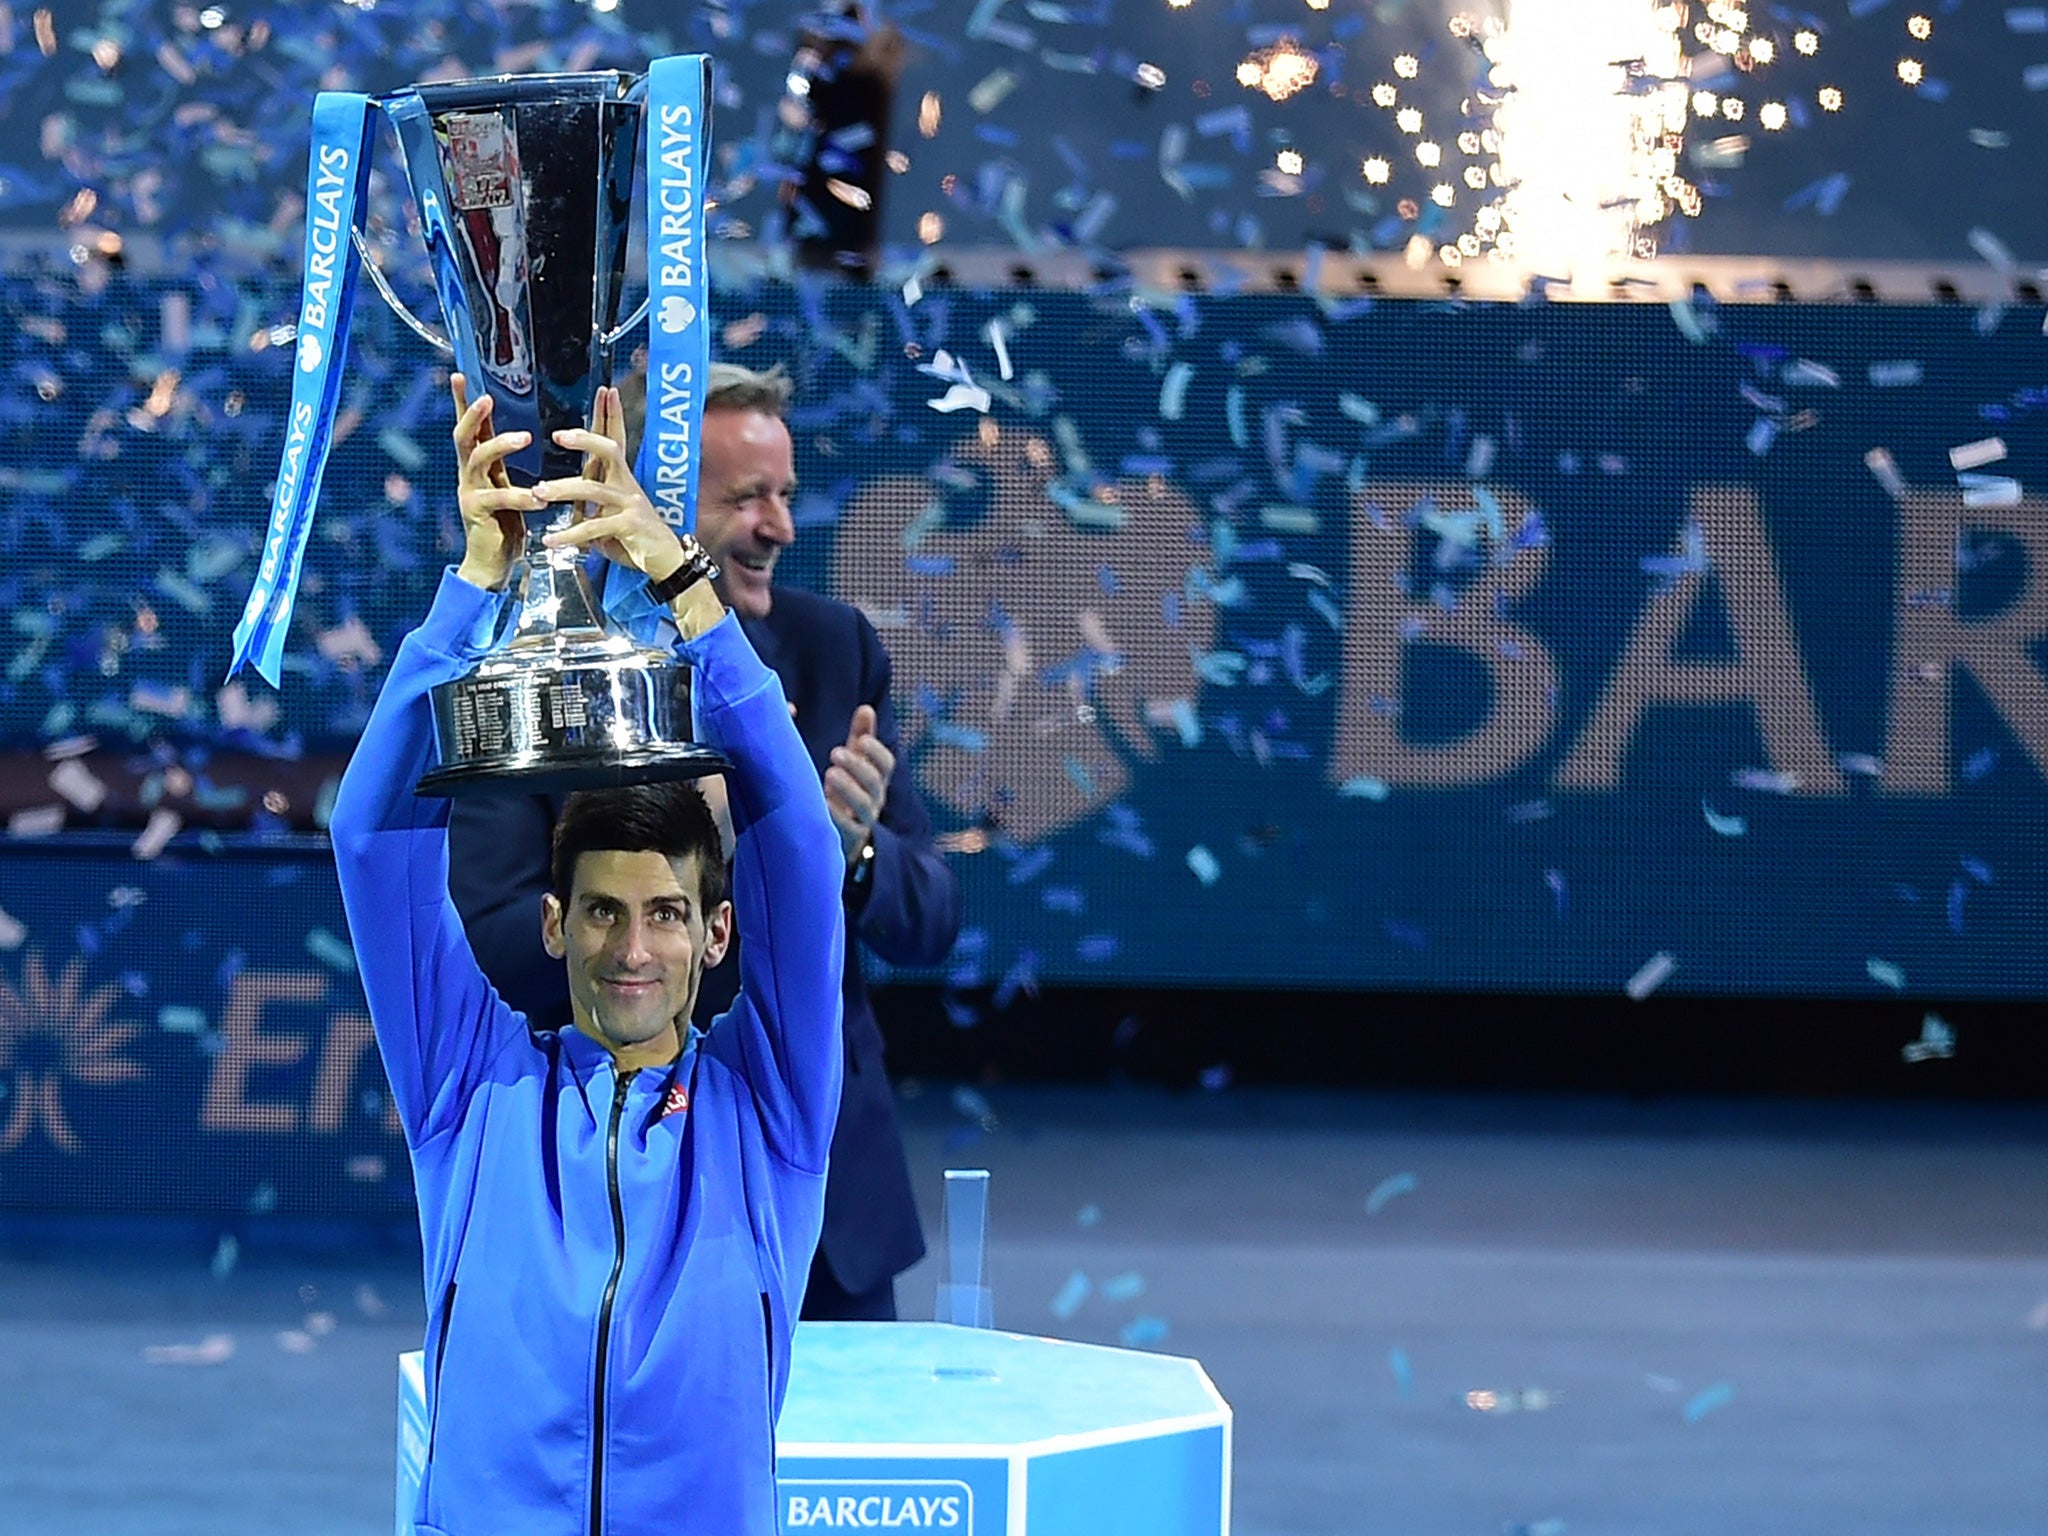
[(555, 597)]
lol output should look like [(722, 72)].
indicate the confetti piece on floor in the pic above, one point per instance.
[(214, 1349), (1403, 1372), (295, 1341), (1653, 974), (1067, 1300), (1707, 1400), (1390, 1188), (1510, 1400)]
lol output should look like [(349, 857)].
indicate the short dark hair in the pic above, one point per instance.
[(671, 818)]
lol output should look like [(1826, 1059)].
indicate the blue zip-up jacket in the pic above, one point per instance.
[(612, 1281)]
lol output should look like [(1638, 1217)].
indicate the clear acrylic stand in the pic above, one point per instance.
[(964, 1297)]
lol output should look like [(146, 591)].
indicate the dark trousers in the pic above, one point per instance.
[(827, 1301)]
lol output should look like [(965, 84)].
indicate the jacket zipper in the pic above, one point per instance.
[(768, 1352), (604, 1310), (440, 1353)]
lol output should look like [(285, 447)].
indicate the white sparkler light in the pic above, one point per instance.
[(1580, 132)]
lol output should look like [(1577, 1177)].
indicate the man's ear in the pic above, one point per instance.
[(551, 936), (718, 935)]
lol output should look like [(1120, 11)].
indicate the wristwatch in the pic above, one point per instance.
[(860, 877), (697, 566)]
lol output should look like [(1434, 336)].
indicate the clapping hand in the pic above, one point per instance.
[(857, 782)]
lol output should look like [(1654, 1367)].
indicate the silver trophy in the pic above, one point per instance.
[(525, 190)]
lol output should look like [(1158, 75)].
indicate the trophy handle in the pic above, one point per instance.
[(425, 332), (612, 336)]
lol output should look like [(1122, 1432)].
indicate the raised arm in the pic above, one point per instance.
[(438, 1022)]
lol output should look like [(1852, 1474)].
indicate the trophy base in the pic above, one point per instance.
[(581, 712), (560, 777)]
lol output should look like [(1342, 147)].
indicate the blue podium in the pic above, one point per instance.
[(926, 1426)]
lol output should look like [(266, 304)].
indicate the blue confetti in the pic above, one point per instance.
[(1389, 1189), (1142, 1332), (1124, 1287), (1068, 1299), (1707, 1401), (1403, 1373), (1724, 826)]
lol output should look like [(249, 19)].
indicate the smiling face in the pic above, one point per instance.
[(636, 938), (747, 476)]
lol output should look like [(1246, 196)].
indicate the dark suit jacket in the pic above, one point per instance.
[(830, 660)]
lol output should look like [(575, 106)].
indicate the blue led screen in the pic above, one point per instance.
[(1241, 640)]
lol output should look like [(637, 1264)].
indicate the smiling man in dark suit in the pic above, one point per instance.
[(901, 899)]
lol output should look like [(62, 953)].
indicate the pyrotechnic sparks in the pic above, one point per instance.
[(1592, 116), (1279, 71)]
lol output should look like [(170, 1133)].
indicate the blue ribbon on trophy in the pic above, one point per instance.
[(336, 178), (678, 326), (678, 286)]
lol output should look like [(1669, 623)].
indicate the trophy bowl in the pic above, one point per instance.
[(525, 186)]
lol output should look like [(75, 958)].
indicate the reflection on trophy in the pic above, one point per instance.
[(525, 186)]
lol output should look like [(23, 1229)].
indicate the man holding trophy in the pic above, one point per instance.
[(618, 1215)]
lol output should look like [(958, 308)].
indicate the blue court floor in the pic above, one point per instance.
[(1432, 1315)]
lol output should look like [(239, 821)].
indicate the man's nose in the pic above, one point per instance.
[(779, 526), (632, 941)]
